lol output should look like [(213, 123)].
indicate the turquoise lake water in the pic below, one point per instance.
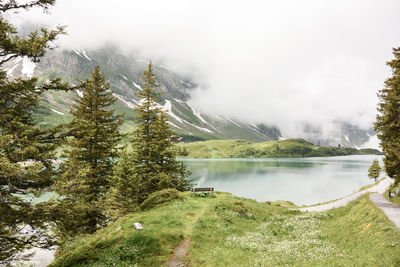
[(304, 181)]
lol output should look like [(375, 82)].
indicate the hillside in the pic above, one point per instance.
[(290, 148), (124, 72), (225, 230)]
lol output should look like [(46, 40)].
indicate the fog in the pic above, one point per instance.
[(284, 63)]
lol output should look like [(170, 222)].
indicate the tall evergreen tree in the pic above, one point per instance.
[(388, 119), (93, 146), (153, 141), (26, 152)]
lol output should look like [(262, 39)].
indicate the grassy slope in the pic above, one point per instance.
[(269, 149), (232, 231)]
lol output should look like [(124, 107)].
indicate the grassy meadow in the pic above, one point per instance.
[(226, 230)]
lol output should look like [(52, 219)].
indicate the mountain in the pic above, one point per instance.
[(124, 74), (343, 134)]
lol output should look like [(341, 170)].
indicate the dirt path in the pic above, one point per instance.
[(379, 188), (392, 211), (180, 252)]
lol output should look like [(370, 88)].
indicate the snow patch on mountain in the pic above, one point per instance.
[(233, 122), (198, 115), (137, 86), (254, 126), (85, 55), (124, 77), (256, 129), (180, 101), (167, 108), (200, 128), (137, 103), (58, 112), (127, 103), (176, 126), (28, 67), (172, 124), (80, 93), (77, 52)]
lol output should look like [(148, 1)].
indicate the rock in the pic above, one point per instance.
[(268, 202), (138, 226)]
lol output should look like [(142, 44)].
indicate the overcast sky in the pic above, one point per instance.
[(278, 62)]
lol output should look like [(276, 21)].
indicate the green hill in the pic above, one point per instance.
[(225, 230), (289, 148)]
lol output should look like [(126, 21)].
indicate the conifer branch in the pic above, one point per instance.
[(14, 5)]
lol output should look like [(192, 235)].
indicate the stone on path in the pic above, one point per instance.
[(392, 211)]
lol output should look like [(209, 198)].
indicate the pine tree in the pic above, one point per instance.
[(26, 152), (388, 119), (122, 198), (154, 155), (374, 170), (85, 175)]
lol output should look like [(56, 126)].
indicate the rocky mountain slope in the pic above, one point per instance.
[(124, 73)]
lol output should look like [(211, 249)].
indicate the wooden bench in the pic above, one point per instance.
[(203, 189)]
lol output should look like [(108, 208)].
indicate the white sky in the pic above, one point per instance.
[(279, 62)]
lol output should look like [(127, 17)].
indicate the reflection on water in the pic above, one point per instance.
[(302, 181)]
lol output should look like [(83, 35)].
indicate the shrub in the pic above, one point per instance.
[(160, 198)]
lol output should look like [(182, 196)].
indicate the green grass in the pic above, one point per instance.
[(120, 244), (231, 231), (271, 149)]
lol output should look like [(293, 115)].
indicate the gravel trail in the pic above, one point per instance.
[(379, 188), (392, 211)]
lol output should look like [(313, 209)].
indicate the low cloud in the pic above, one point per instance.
[(284, 63)]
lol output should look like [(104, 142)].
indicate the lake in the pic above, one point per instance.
[(304, 181)]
